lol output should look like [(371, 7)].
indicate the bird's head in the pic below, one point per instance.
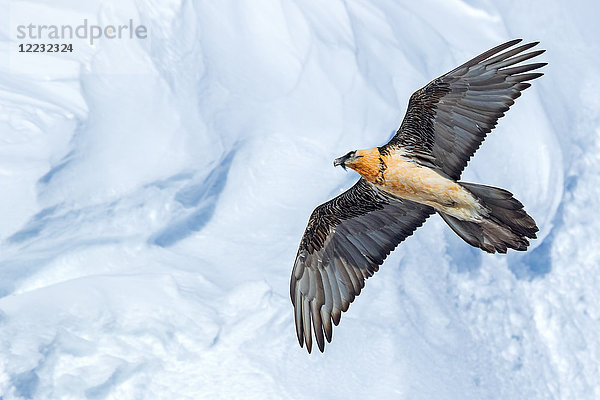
[(365, 162), (346, 160)]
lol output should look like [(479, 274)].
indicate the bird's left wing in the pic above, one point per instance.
[(345, 242), (448, 119)]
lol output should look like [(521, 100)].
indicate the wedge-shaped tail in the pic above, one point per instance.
[(506, 226)]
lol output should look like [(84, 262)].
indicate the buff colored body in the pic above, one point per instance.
[(404, 178)]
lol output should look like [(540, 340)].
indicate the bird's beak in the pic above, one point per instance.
[(340, 161)]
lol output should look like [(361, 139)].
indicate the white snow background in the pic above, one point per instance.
[(153, 194)]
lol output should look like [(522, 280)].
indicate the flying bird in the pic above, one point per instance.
[(413, 176)]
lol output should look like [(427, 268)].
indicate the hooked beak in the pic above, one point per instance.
[(340, 161)]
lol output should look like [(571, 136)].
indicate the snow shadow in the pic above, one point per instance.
[(198, 200), (26, 384), (35, 225)]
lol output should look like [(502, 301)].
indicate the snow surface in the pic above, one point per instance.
[(153, 194)]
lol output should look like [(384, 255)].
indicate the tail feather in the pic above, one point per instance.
[(505, 226)]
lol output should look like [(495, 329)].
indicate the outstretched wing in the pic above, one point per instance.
[(345, 242), (448, 119)]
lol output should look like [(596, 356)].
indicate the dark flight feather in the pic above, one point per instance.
[(346, 241), (448, 119)]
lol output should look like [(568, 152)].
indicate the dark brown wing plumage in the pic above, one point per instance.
[(345, 242), (448, 119)]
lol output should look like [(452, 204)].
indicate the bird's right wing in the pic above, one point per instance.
[(345, 242)]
